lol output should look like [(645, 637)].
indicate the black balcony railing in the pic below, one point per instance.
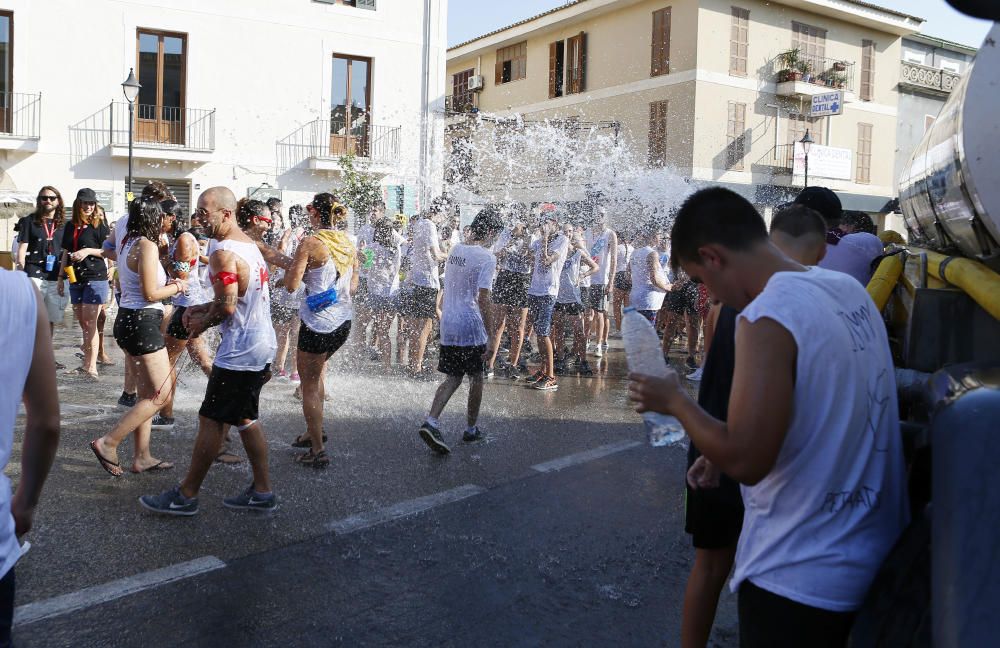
[(165, 126), (783, 156), (20, 114), (793, 65), (325, 138)]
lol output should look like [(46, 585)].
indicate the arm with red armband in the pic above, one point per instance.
[(225, 278)]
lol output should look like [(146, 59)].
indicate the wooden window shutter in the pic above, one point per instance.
[(552, 70), (498, 69), (581, 64), (661, 43)]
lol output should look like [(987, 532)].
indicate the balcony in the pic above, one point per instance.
[(20, 121), (321, 143), (163, 132), (924, 77), (805, 76)]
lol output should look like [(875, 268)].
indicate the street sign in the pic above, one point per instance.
[(828, 103)]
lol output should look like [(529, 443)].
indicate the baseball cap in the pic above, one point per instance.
[(86, 195), (824, 201)]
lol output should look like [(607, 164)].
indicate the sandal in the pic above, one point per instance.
[(113, 467), (303, 441), (80, 372), (318, 460)]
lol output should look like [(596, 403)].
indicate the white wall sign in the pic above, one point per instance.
[(827, 103), (824, 162)]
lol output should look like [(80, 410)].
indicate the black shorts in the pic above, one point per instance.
[(175, 328), (569, 308), (419, 302), (713, 516), (462, 360), (623, 281), (682, 299), (768, 620), (312, 342), (594, 297), (283, 314), (233, 396), (137, 331), (511, 289)]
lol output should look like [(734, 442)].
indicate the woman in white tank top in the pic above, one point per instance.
[(327, 264), (137, 330)]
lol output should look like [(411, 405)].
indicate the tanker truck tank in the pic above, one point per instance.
[(949, 192)]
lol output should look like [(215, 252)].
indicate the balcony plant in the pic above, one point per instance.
[(789, 61), (839, 79), (805, 69), (839, 66)]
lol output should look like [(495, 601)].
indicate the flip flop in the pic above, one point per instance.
[(161, 466), (231, 460), (106, 464)]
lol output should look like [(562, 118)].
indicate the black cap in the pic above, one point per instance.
[(824, 201), (486, 222), (86, 195)]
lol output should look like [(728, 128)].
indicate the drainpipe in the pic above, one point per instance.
[(425, 108)]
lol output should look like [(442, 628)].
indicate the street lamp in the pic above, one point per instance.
[(806, 142), (130, 87)]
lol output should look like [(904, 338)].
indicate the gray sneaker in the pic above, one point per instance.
[(170, 502), (252, 500), (432, 437)]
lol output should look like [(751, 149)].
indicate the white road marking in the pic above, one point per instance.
[(403, 509), (89, 596), (585, 456)]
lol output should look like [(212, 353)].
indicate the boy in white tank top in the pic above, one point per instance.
[(238, 276), (813, 428)]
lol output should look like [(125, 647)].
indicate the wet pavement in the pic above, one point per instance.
[(562, 528)]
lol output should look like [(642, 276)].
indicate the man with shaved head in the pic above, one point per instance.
[(241, 308)]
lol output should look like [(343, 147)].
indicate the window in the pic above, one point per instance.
[(739, 34), (6, 78), (512, 63), (811, 43), (576, 56), (657, 133), (950, 66), (736, 136), (863, 172), (350, 105), (661, 43), (913, 57), (462, 99), (867, 70), (797, 125), (161, 72), (557, 64)]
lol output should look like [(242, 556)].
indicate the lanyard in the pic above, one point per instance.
[(50, 231), (76, 236)]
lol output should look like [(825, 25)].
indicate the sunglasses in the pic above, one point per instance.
[(48, 197), (265, 219)]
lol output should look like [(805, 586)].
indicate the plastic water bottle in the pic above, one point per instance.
[(644, 356)]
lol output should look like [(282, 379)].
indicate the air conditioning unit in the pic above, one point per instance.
[(475, 82)]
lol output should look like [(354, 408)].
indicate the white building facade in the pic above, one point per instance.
[(257, 95)]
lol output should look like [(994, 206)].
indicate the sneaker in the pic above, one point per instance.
[(691, 363), (170, 502), (606, 347), (598, 351), (163, 422), (547, 383), (490, 372), (432, 437), (294, 378), (535, 377), (252, 500), (280, 375), (128, 400), (475, 435), (695, 376), (585, 369)]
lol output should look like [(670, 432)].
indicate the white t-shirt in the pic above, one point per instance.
[(569, 281), (514, 259), (545, 280), (471, 268), (854, 255), (383, 276), (819, 525), (645, 295), (423, 265), (599, 244)]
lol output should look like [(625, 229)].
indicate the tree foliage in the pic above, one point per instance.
[(361, 189)]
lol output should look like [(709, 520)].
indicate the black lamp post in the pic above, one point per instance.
[(130, 87), (806, 142)]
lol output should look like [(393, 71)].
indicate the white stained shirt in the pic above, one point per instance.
[(819, 525), (645, 295), (569, 281), (383, 276), (18, 318), (423, 265), (600, 252), (545, 280), (471, 268), (248, 338)]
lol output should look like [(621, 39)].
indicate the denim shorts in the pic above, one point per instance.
[(88, 292), (540, 309)]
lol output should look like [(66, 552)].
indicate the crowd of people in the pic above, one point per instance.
[(776, 456)]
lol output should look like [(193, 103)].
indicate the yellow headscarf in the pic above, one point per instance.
[(341, 249)]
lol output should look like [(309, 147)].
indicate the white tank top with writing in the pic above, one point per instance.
[(248, 339)]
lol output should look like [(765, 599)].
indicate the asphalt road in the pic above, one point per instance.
[(562, 528)]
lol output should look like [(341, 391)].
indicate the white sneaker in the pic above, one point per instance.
[(695, 376), (598, 351)]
